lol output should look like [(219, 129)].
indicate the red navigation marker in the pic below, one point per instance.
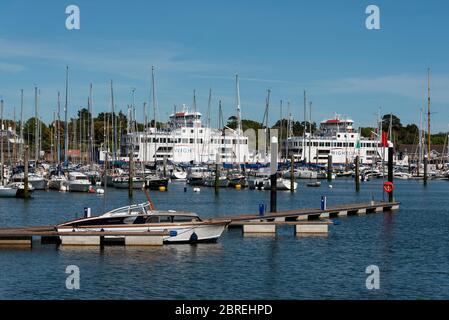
[(388, 187)]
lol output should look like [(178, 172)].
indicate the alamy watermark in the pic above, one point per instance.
[(372, 22), (373, 280), (73, 279), (72, 22)]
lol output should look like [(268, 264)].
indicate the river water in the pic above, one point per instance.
[(409, 246)]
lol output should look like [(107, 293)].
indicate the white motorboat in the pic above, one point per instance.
[(38, 182), (7, 192), (182, 227), (122, 182), (281, 184), (402, 175), (56, 182), (179, 175), (78, 182), (19, 188), (223, 181)]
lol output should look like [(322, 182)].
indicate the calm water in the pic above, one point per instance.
[(409, 246)]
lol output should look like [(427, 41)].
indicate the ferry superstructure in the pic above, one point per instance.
[(336, 137), (186, 140)]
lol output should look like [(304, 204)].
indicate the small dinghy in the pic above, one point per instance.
[(314, 184)]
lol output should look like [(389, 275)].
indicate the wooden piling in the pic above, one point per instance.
[(390, 171), (25, 173), (357, 174), (329, 168), (425, 169), (273, 177), (292, 173), (130, 181)]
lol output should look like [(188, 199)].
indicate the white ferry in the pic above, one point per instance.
[(336, 137), (186, 140)]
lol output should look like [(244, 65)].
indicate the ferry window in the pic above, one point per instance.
[(191, 140), (191, 131), (201, 131), (339, 144), (184, 140), (351, 144), (338, 136), (352, 136), (328, 144)]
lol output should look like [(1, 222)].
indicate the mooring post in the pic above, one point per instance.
[(25, 172), (130, 178), (390, 172), (425, 169), (329, 168), (292, 173), (357, 174), (217, 173), (273, 177)]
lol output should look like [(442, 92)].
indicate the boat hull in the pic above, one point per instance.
[(178, 233), (78, 187), (6, 192)]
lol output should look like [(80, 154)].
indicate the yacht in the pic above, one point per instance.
[(182, 227), (78, 182)]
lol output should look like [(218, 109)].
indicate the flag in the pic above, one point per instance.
[(384, 142)]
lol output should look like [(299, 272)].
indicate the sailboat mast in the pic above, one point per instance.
[(153, 97), (239, 118), (209, 102), (428, 113), (1, 143), (21, 124), (66, 133), (92, 132), (304, 127), (36, 129)]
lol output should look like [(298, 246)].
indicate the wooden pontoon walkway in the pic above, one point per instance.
[(291, 217), (316, 213)]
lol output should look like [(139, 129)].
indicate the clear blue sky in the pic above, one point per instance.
[(286, 46)]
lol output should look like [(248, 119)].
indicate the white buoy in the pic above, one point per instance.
[(100, 191), (196, 189), (63, 189), (330, 186)]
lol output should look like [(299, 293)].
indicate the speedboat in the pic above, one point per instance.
[(78, 182), (181, 227)]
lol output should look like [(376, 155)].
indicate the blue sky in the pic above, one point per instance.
[(286, 46)]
